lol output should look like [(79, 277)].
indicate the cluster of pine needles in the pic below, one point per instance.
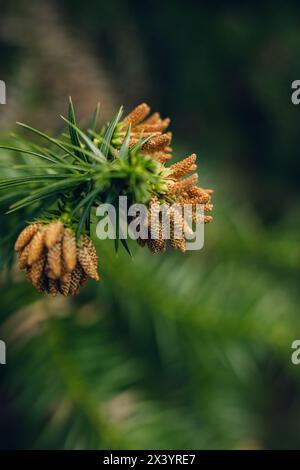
[(60, 185)]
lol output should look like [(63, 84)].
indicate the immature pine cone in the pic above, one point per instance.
[(181, 181), (142, 126), (53, 261)]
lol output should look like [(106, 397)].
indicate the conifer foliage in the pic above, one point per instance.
[(82, 169)]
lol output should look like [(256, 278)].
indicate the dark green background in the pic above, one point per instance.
[(188, 351)]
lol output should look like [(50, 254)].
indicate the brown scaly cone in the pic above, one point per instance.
[(152, 126), (181, 181), (163, 232), (182, 190), (54, 262), (156, 242)]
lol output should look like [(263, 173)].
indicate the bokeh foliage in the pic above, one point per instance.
[(177, 351)]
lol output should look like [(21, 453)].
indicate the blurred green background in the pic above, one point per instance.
[(175, 351)]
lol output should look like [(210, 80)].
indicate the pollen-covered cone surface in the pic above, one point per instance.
[(153, 127), (53, 260), (182, 194), (181, 182)]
